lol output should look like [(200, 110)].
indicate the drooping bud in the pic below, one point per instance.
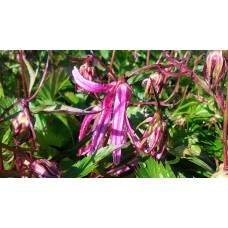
[(156, 80), (155, 136), (43, 168), (87, 71), (21, 128), (214, 69)]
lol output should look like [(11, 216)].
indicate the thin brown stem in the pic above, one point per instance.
[(1, 160), (9, 173), (107, 68), (148, 57), (22, 72), (111, 64), (112, 59)]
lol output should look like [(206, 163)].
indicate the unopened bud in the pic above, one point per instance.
[(214, 69), (21, 128), (156, 80), (43, 168), (87, 71)]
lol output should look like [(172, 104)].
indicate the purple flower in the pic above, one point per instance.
[(114, 107), (43, 168)]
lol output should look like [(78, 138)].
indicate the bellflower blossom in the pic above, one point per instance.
[(113, 109)]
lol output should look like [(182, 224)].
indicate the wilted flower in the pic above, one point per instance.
[(156, 80), (114, 106), (43, 168), (155, 136), (214, 69), (21, 128)]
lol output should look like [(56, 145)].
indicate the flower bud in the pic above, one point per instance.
[(21, 128), (156, 80), (214, 69), (155, 137), (87, 71), (43, 168), (220, 173)]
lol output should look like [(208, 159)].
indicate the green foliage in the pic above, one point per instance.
[(194, 120), (89, 163), (149, 168)]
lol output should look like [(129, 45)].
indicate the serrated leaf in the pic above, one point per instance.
[(153, 169), (88, 164), (53, 83)]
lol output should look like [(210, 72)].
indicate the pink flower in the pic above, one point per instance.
[(114, 107)]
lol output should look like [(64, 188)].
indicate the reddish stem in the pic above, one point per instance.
[(191, 74), (149, 67)]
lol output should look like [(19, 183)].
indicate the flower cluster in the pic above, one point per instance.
[(113, 109)]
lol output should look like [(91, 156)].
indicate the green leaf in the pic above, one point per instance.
[(153, 169), (88, 164), (59, 108), (1, 90), (32, 74), (53, 83)]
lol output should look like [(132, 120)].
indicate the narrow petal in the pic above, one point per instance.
[(88, 85), (103, 122), (118, 120), (131, 131), (85, 123)]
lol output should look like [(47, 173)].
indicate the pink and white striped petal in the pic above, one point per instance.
[(89, 85)]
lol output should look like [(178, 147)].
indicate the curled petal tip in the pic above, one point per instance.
[(89, 85)]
